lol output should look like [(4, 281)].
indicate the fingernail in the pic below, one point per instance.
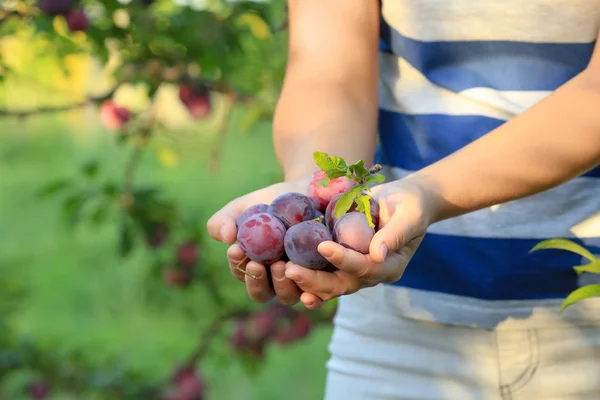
[(256, 271), (384, 251), (278, 274), (310, 305)]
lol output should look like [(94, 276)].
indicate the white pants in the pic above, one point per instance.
[(377, 355)]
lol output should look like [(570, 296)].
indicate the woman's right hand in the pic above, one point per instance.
[(221, 226)]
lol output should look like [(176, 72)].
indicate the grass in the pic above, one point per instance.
[(80, 296)]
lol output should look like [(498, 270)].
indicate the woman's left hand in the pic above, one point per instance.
[(405, 210)]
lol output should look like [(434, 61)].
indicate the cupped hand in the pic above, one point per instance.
[(222, 227), (405, 213)]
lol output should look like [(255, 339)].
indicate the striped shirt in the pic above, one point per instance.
[(450, 72)]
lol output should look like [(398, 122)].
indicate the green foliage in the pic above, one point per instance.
[(592, 267)]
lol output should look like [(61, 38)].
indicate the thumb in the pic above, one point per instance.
[(404, 225), (221, 226)]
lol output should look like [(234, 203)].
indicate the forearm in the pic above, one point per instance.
[(323, 117), (554, 141)]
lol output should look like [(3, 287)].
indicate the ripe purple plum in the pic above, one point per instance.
[(301, 242), (77, 20), (292, 208), (253, 210), (196, 99), (330, 218), (321, 195), (353, 231), (261, 238)]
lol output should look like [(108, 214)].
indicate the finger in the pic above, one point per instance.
[(259, 289), (221, 226), (350, 261), (311, 301), (286, 290), (236, 257), (325, 285), (404, 225)]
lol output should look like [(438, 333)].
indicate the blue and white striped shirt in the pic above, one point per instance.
[(450, 72)]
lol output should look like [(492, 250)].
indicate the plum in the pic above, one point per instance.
[(112, 116), (353, 231), (255, 209), (261, 238), (196, 99), (321, 195), (77, 20), (330, 218), (292, 208), (301, 242)]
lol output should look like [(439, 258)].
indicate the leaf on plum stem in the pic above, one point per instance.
[(374, 179), (345, 201), (582, 293), (364, 205)]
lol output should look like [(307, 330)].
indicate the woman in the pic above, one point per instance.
[(489, 126)]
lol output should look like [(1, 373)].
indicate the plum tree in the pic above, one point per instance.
[(353, 231), (261, 238), (301, 242), (292, 208)]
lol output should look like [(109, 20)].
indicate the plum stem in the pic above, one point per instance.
[(243, 270), (318, 219)]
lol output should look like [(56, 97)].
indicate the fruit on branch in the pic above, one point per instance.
[(38, 389), (55, 7), (112, 116), (187, 254), (321, 195), (298, 328), (353, 231), (196, 98), (156, 235), (176, 276), (77, 20), (301, 242), (253, 210), (261, 238), (292, 208), (186, 384)]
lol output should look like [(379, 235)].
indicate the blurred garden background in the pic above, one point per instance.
[(123, 127)]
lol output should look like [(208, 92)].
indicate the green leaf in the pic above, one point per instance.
[(564, 244), (364, 206), (335, 173), (323, 182), (53, 188), (593, 268), (90, 169), (346, 201), (374, 179), (125, 239), (582, 293), (322, 160), (338, 162), (359, 170)]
